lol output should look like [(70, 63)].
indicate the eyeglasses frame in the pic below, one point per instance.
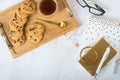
[(97, 8)]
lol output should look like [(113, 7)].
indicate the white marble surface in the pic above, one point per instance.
[(58, 59)]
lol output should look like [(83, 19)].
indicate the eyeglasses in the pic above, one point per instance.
[(96, 10)]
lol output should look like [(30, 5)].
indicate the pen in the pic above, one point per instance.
[(105, 56)]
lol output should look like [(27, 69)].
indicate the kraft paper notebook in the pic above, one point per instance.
[(100, 48)]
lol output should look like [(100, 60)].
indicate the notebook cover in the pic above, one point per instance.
[(100, 47)]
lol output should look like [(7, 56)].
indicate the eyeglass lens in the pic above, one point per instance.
[(82, 3), (95, 11), (93, 8)]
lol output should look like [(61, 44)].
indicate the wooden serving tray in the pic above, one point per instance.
[(51, 30)]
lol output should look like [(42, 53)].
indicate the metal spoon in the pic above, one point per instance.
[(62, 24)]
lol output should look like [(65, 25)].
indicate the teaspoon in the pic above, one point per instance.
[(62, 24)]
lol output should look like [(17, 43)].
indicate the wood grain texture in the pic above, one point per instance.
[(51, 31)]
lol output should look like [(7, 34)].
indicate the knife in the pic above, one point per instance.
[(67, 8)]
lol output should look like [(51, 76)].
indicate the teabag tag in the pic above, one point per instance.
[(73, 36)]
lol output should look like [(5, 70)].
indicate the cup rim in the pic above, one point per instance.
[(38, 4)]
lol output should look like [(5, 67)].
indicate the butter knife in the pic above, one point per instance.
[(67, 8)]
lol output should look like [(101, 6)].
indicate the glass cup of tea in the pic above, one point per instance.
[(47, 8)]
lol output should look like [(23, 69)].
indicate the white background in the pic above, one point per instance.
[(58, 59)]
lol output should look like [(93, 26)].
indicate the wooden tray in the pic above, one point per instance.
[(51, 30)]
